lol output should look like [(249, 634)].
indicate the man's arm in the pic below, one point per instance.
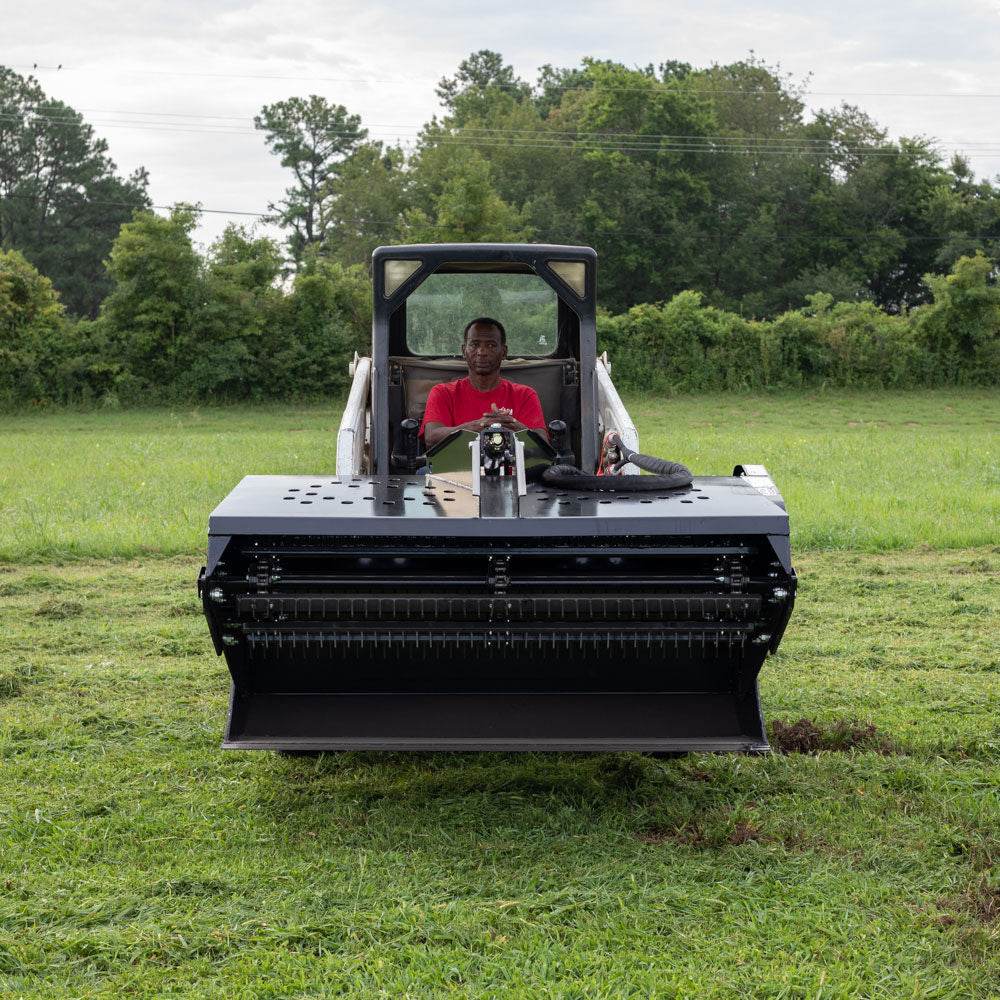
[(439, 415), (434, 431), (529, 411), (527, 419)]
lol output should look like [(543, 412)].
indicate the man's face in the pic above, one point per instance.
[(483, 349)]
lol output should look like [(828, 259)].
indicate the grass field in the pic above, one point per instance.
[(861, 860), (864, 472)]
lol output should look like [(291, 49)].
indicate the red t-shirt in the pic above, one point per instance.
[(454, 403)]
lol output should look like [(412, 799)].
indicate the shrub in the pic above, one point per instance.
[(960, 331), (30, 316), (684, 346)]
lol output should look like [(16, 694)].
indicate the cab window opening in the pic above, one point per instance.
[(438, 311)]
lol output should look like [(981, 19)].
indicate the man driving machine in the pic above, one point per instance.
[(482, 398)]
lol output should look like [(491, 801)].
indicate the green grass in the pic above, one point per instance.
[(863, 472), (137, 859), (141, 483)]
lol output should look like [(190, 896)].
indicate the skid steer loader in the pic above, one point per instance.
[(477, 596)]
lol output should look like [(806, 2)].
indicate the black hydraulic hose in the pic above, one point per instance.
[(570, 478), (666, 475), (658, 466)]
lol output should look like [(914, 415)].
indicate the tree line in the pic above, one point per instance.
[(183, 327), (741, 245), (709, 180), (180, 325), (62, 202)]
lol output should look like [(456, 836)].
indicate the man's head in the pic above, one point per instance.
[(485, 321), (484, 346)]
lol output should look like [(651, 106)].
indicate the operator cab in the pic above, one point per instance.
[(426, 294)]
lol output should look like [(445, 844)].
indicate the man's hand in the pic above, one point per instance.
[(501, 417), (488, 419), (435, 432)]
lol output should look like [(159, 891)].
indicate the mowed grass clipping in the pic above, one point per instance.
[(137, 859), (868, 472)]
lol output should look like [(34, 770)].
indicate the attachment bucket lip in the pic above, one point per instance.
[(498, 721)]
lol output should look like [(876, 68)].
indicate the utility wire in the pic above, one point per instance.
[(409, 83), (44, 114), (57, 114), (607, 233), (540, 140)]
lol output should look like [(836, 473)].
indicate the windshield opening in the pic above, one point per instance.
[(441, 307)]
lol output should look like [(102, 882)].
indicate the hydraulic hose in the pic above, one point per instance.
[(666, 475), (658, 466)]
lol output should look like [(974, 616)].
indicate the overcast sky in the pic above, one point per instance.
[(174, 86)]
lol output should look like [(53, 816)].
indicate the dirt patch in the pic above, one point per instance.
[(687, 834), (806, 736), (744, 833), (13, 680), (691, 835), (983, 902), (973, 566), (10, 685), (183, 610)]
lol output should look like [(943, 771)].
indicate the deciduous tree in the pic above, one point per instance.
[(158, 291), (362, 207), (62, 201), (467, 209)]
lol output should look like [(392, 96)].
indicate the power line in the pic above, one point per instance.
[(538, 139), (607, 233), (408, 84), (57, 115), (774, 145)]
